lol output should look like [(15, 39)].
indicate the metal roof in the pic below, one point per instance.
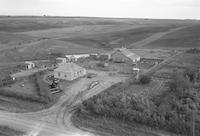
[(68, 67), (129, 53)]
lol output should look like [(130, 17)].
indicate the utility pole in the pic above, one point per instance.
[(193, 123)]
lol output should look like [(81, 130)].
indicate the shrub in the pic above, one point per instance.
[(193, 51), (100, 64), (178, 83), (191, 74), (144, 79), (43, 88)]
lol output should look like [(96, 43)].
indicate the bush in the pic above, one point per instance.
[(144, 79), (100, 64), (191, 74), (43, 88), (193, 51), (178, 83)]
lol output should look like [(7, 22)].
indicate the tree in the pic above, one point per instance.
[(178, 83), (144, 79)]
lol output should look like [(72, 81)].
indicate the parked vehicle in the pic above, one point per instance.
[(93, 84)]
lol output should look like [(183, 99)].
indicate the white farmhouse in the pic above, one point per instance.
[(69, 71)]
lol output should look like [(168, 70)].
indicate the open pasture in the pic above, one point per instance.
[(26, 86), (180, 63), (118, 38), (188, 37)]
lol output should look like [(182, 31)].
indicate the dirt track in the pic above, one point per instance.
[(152, 38), (57, 119)]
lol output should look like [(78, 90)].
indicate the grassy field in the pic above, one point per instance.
[(29, 87), (185, 38), (117, 38), (24, 38), (181, 63), (6, 131), (34, 96), (154, 53)]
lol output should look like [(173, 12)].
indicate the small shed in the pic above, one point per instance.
[(29, 64), (75, 57), (61, 60)]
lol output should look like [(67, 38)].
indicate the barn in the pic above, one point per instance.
[(69, 71), (123, 55)]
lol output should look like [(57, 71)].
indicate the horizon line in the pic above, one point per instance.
[(57, 16)]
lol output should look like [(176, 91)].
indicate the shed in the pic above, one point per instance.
[(29, 64), (75, 57), (61, 60)]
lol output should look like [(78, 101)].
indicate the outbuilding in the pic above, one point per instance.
[(29, 65), (69, 71), (123, 55), (75, 57), (61, 60)]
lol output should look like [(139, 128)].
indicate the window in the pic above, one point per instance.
[(65, 75)]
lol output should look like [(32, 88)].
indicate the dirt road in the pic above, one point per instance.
[(152, 38), (57, 119)]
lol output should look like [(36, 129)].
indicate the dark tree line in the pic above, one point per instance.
[(170, 111)]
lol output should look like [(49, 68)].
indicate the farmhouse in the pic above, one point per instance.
[(69, 71), (122, 55), (29, 64), (75, 57)]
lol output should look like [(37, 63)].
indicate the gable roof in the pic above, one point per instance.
[(129, 54), (68, 67)]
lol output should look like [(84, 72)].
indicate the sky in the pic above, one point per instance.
[(170, 9)]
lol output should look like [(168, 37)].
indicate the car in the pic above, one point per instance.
[(93, 84)]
